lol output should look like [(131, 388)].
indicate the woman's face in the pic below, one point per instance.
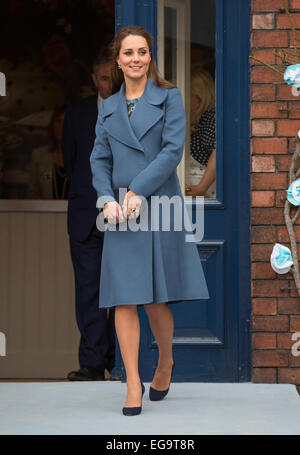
[(195, 101), (134, 57)]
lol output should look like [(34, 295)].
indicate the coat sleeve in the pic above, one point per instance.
[(167, 160), (68, 145), (101, 161)]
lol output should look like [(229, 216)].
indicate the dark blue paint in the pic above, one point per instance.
[(137, 12)]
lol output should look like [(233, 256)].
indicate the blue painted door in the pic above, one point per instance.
[(212, 338)]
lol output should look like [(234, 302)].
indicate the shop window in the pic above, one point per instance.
[(46, 56), (186, 56)]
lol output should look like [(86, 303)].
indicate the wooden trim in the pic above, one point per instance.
[(20, 205)]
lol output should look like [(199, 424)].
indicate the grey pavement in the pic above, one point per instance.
[(95, 408)]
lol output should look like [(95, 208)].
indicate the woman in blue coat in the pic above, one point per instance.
[(140, 135)]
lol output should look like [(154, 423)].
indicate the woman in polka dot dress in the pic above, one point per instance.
[(203, 135)]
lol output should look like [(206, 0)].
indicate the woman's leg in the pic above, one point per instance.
[(162, 325), (127, 326)]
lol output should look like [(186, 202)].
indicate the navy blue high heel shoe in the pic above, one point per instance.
[(157, 395), (135, 410)]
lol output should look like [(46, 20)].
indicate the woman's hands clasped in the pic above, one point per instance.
[(131, 205), (113, 213)]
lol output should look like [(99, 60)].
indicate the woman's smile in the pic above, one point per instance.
[(134, 57)]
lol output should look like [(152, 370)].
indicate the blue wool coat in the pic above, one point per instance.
[(142, 153)]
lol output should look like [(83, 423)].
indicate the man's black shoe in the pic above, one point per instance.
[(116, 377), (86, 374)]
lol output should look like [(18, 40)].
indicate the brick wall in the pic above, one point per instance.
[(275, 124)]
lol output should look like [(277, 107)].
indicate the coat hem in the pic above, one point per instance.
[(183, 299)]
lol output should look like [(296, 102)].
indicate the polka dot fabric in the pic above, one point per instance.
[(203, 140)]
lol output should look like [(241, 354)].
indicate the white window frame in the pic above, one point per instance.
[(182, 8)]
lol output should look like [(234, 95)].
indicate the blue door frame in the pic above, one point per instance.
[(232, 209)]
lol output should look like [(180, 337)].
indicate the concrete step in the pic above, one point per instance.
[(188, 409)]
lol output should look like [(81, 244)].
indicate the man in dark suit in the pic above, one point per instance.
[(96, 326)]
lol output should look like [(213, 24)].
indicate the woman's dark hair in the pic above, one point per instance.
[(58, 111), (117, 74)]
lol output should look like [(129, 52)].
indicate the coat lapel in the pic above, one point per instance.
[(149, 109), (146, 114), (116, 121)]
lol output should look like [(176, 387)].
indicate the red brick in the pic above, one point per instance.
[(263, 21), (264, 55), (263, 128), (283, 162), (283, 21), (264, 75), (266, 5), (292, 285), (263, 234), (263, 340), (270, 323), (284, 340), (262, 199), (264, 306), (263, 163), (285, 93), (269, 145), (282, 233), (294, 111), (268, 288), (270, 358), (269, 39), (280, 198), (288, 127), (269, 110), (262, 181), (289, 306), (295, 323), (264, 375), (292, 145), (281, 56), (261, 270), (293, 360), (284, 277), (289, 375), (261, 252), (283, 236), (263, 92), (295, 4), (291, 38), (261, 215)]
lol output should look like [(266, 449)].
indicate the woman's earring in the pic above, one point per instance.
[(119, 67)]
